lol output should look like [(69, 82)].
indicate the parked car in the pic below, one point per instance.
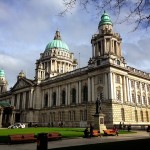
[(20, 125), (12, 127), (17, 125)]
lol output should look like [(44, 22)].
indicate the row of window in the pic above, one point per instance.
[(137, 118), (137, 84), (63, 97), (64, 116)]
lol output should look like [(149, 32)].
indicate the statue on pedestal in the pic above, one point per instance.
[(98, 106)]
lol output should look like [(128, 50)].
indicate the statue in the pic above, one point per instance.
[(98, 106)]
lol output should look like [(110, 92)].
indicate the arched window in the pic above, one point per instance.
[(85, 94), (139, 98), (118, 62), (54, 99), (73, 95), (46, 100), (63, 97)]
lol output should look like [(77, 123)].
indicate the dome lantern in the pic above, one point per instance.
[(105, 20), (2, 73), (57, 43)]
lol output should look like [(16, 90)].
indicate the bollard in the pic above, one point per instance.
[(42, 141)]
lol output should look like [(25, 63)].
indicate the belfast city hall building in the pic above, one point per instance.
[(61, 92)]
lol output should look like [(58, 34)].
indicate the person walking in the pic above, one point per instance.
[(148, 129), (86, 133), (91, 130)]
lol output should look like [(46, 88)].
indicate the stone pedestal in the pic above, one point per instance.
[(99, 122)]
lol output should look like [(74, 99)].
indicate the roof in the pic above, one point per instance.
[(105, 19), (2, 73), (5, 104), (57, 43)]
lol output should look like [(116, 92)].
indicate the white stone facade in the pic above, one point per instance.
[(60, 92)]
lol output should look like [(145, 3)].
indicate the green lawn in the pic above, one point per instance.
[(65, 132)]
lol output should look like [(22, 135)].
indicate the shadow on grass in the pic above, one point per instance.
[(110, 145)]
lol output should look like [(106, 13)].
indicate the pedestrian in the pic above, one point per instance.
[(91, 130), (86, 133), (148, 129), (129, 128), (115, 130)]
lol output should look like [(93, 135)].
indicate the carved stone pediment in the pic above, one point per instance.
[(21, 84)]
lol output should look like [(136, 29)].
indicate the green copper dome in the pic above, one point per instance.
[(2, 73), (105, 19), (57, 43)]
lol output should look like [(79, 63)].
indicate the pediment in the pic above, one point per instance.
[(22, 83)]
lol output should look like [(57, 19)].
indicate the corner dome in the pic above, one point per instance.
[(57, 43), (2, 73), (105, 19)]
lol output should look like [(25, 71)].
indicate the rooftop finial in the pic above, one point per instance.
[(57, 35)]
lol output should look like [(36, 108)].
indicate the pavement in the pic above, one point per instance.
[(77, 141)]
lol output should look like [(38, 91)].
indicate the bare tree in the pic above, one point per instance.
[(137, 11)]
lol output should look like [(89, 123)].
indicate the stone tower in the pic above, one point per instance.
[(3, 82), (106, 45)]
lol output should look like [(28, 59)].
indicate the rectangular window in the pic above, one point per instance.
[(133, 97), (81, 115), (85, 115), (117, 79), (136, 116), (122, 114), (132, 84), (142, 119), (147, 116)]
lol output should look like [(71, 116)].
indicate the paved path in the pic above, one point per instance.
[(77, 141)]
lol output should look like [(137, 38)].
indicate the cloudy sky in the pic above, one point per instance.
[(27, 26)]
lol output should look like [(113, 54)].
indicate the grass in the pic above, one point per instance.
[(65, 132)]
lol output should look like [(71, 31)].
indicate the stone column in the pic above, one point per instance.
[(50, 97), (106, 93), (146, 97), (69, 93), (66, 91), (105, 47), (130, 91), (136, 101), (92, 50), (141, 93), (110, 85), (1, 116), (124, 89), (93, 90), (58, 103), (113, 86), (31, 99), (48, 92), (79, 92), (89, 89)]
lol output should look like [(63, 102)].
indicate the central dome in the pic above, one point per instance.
[(57, 43)]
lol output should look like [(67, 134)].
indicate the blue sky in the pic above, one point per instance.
[(27, 26)]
